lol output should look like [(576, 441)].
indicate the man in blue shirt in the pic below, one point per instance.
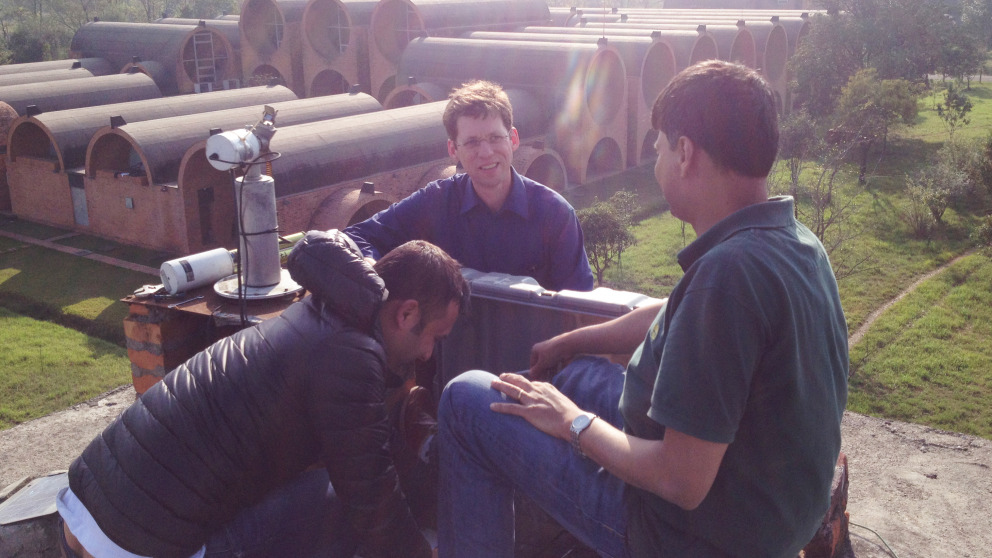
[(720, 437), (489, 218)]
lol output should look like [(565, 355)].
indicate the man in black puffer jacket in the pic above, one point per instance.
[(221, 445)]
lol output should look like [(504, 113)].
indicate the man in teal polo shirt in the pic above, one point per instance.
[(720, 438)]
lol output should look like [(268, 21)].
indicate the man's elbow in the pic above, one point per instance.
[(689, 503), (682, 494), (688, 500)]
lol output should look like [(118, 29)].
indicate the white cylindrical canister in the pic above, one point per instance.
[(196, 270)]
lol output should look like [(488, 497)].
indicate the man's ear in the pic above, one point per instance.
[(407, 314), (514, 139), (452, 149), (686, 153)]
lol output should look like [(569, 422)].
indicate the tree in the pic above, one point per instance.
[(982, 171), (953, 110), (824, 62), (25, 46), (901, 39), (798, 144), (936, 186), (868, 108), (606, 228), (828, 216), (962, 55), (975, 16), (35, 30), (206, 9), (981, 237), (916, 214)]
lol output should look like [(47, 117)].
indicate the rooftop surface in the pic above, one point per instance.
[(925, 492)]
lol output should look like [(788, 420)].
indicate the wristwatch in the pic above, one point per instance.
[(579, 424)]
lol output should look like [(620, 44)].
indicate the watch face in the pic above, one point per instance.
[(580, 422)]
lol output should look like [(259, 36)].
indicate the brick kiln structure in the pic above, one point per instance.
[(271, 42), (132, 178), (48, 151), (148, 184), (335, 46), (396, 22)]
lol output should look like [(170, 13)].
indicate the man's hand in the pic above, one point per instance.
[(618, 336), (540, 403), (547, 358), (681, 468)]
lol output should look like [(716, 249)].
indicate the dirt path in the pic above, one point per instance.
[(856, 337)]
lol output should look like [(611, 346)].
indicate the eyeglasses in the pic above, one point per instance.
[(474, 144)]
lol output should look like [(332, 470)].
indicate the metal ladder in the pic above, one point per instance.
[(203, 55)]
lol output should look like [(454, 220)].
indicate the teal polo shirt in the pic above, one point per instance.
[(751, 351)]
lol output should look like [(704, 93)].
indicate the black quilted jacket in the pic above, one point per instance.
[(251, 412)]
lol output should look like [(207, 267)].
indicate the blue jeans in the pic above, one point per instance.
[(301, 519), (485, 456)]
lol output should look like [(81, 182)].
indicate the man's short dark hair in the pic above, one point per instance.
[(477, 99), (726, 109), (418, 270)]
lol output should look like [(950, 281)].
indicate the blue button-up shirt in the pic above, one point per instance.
[(535, 233)]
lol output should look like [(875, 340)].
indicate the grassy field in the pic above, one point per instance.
[(47, 367), (928, 359), (65, 289), (61, 332)]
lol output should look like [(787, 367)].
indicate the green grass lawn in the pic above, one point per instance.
[(133, 254), (46, 367), (929, 358), (66, 289)]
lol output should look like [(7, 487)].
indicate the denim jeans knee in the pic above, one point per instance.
[(485, 456)]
